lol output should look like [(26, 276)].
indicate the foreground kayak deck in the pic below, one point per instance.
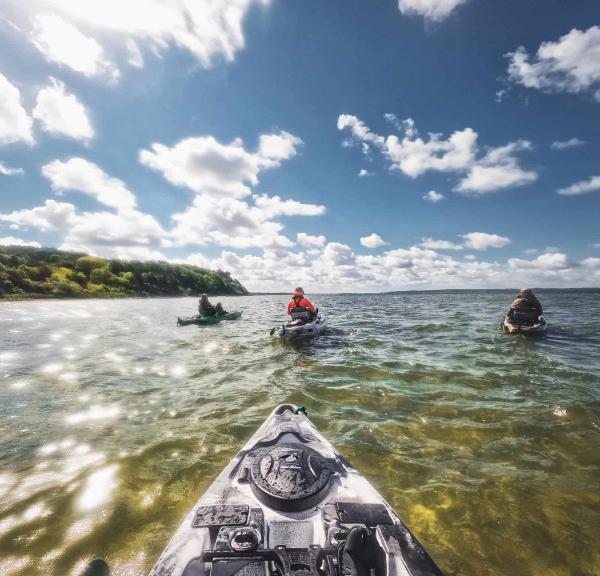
[(290, 505), (207, 319), (527, 330)]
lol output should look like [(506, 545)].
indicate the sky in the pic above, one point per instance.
[(341, 145)]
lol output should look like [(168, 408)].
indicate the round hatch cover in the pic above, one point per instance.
[(289, 477)]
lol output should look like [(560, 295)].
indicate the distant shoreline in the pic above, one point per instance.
[(28, 297)]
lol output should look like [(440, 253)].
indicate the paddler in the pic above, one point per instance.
[(300, 307), (526, 308), (205, 308)]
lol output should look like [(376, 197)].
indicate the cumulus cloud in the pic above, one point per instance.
[(206, 166), (483, 241), (51, 216), (550, 261), (125, 234), (12, 241), (372, 241), (273, 206), (310, 241), (358, 129), (484, 171), (208, 30), (79, 175), (433, 196), (433, 244), (472, 240), (15, 123), (8, 171), (362, 173), (497, 170), (62, 113), (222, 175), (277, 147), (63, 43), (570, 64), (434, 10), (582, 187), (571, 143), (109, 233), (135, 58), (338, 268), (227, 222)]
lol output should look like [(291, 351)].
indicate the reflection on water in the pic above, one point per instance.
[(113, 421)]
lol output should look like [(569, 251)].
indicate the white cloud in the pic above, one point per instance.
[(337, 254), (372, 241), (107, 232), (15, 123), (496, 169), (562, 144), (222, 175), (472, 240), (433, 196), (415, 156), (227, 222), (549, 261), (582, 187), (273, 206), (135, 58), (126, 234), (206, 166), (62, 113), (571, 64), (63, 43), (412, 155), (79, 175), (8, 171), (12, 241), (278, 147), (358, 129), (434, 10), (363, 173), (483, 241), (51, 216), (335, 267), (311, 241), (208, 29), (433, 244)]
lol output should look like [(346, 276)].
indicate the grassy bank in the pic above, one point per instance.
[(49, 273)]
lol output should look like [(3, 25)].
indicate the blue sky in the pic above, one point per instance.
[(342, 145)]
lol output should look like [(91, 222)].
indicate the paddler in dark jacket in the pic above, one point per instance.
[(300, 307), (205, 308), (525, 308)]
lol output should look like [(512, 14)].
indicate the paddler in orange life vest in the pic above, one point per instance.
[(301, 308)]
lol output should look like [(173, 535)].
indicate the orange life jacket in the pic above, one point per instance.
[(300, 303)]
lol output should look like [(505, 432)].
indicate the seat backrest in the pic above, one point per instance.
[(300, 313), (525, 315)]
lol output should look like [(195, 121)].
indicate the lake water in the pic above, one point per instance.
[(113, 421)]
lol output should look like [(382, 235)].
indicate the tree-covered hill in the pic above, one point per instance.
[(47, 272)]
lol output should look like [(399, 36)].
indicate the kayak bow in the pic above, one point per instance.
[(290, 505)]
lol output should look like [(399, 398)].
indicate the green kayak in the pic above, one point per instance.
[(202, 320)]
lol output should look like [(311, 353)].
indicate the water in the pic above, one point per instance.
[(113, 421)]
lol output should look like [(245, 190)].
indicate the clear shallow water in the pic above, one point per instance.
[(113, 421)]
